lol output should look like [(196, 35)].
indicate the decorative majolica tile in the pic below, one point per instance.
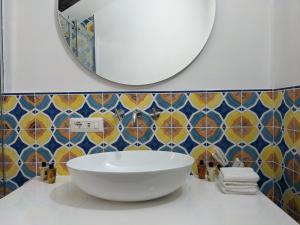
[(144, 101), (129, 101), (249, 99), (216, 100), (163, 100), (198, 100), (268, 189), (259, 127), (110, 101), (61, 155), (95, 101)]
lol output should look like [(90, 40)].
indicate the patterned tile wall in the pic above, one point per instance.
[(287, 161), (260, 127)]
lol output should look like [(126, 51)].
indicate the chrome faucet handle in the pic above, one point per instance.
[(154, 114), (135, 116), (119, 113)]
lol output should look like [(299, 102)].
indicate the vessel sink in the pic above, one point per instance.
[(130, 176)]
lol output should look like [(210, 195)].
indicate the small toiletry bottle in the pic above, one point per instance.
[(201, 169), (51, 174), (211, 172), (43, 171)]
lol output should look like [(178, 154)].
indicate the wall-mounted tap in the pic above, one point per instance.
[(155, 114), (119, 113), (135, 116)]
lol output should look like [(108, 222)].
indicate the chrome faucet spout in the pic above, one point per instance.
[(135, 115)]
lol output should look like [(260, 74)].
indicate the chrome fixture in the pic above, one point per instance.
[(154, 114), (119, 113), (135, 116)]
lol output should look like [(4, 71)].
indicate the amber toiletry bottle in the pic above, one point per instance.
[(51, 174), (43, 171), (201, 169)]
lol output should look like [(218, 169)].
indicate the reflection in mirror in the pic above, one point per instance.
[(136, 42)]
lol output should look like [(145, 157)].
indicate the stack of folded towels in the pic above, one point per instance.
[(236, 180)]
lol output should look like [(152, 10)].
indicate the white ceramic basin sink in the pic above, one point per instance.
[(130, 175)]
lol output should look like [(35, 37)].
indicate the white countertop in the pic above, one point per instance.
[(198, 202)]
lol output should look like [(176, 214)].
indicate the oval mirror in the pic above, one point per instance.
[(136, 42)]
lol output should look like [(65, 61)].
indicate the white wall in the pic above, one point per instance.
[(286, 43), (236, 56)]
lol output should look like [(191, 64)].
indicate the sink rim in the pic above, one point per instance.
[(189, 160)]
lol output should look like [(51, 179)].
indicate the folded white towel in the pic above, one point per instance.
[(236, 183), (245, 191), (235, 174)]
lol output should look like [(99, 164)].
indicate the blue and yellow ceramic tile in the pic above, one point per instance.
[(43, 155), (164, 135), (9, 137), (109, 100), (297, 97), (62, 121), (96, 137), (164, 120), (268, 189), (11, 170), (29, 170), (27, 102), (9, 103), (42, 121), (96, 150), (144, 100), (75, 102), (110, 120), (214, 100), (111, 135), (95, 101), (214, 119), (289, 201), (198, 100), (28, 155), (296, 120), (267, 98), (179, 134), (62, 169), (145, 120), (27, 136), (198, 134), (130, 134), (233, 123), (267, 167), (10, 155), (289, 137), (76, 151), (214, 134), (129, 101), (9, 122), (145, 134), (249, 153), (28, 121), (179, 119), (234, 152), (62, 155), (43, 136), (233, 100), (249, 99), (163, 100), (60, 101), (278, 97), (42, 102), (179, 100), (250, 130)]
